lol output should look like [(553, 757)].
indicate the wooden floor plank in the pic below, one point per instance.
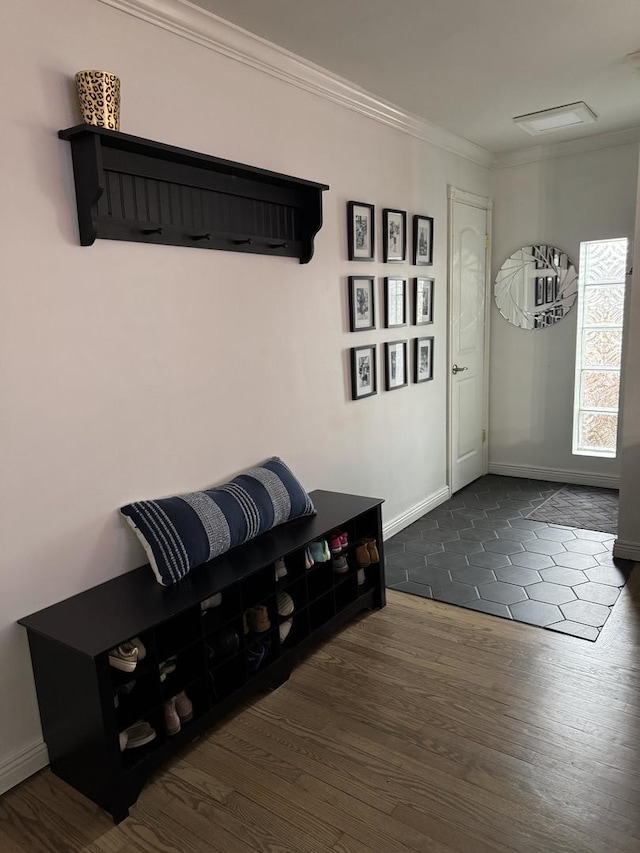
[(422, 727)]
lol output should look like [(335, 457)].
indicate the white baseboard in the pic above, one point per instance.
[(626, 550), (555, 475), (395, 525), (17, 768)]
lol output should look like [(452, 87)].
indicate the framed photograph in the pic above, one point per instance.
[(422, 301), (395, 302), (361, 303), (395, 360), (363, 372), (394, 233), (423, 240), (361, 231), (422, 359)]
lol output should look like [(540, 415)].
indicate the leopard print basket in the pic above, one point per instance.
[(99, 96)]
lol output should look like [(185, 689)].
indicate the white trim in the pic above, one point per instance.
[(536, 153), (190, 22), (472, 199), (395, 525), (17, 768), (458, 196), (626, 550), (555, 475)]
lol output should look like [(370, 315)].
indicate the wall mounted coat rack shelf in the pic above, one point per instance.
[(128, 188)]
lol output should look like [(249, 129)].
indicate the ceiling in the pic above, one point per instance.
[(467, 65)]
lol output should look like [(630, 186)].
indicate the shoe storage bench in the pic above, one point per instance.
[(83, 707)]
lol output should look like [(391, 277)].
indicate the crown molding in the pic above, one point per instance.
[(536, 153), (190, 22)]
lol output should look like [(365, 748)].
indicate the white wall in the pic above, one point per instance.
[(628, 542), (132, 371), (561, 201)]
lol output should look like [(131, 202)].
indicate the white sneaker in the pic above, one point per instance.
[(139, 734), (124, 657), (211, 602), (285, 604), (142, 652), (284, 629), (280, 569)]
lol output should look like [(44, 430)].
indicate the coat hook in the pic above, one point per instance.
[(246, 242), (206, 236), (152, 230), (278, 246)]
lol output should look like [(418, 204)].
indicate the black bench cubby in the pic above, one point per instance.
[(193, 643)]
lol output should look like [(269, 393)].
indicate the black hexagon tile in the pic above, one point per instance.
[(419, 546), (431, 575), (527, 560), (487, 560), (480, 550), (475, 576), (463, 546), (599, 593), (503, 593), (503, 546), (518, 575), (536, 613), (551, 593)]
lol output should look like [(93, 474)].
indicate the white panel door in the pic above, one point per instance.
[(468, 362)]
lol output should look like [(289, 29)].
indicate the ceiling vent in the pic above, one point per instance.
[(634, 59), (558, 118)]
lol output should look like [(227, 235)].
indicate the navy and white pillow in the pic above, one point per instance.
[(184, 531)]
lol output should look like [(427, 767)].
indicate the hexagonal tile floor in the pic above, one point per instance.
[(481, 550)]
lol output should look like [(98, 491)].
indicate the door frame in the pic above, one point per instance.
[(458, 196)]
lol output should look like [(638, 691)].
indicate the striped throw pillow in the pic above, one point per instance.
[(181, 532)]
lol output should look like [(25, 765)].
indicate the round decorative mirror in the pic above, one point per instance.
[(536, 287)]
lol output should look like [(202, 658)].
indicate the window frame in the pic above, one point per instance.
[(581, 331)]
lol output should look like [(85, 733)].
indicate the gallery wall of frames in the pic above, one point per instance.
[(405, 302)]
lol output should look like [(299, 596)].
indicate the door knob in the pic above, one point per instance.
[(456, 369)]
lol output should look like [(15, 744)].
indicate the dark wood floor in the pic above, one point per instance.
[(424, 727)]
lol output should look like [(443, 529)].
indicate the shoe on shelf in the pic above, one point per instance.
[(184, 708), (258, 619), (320, 551), (285, 604), (335, 542), (280, 569), (257, 654), (171, 718), (211, 602), (340, 564), (124, 657), (284, 629), (139, 734), (363, 557), (361, 577), (142, 652), (308, 559), (372, 548), (168, 666), (224, 643)]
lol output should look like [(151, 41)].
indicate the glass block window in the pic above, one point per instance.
[(603, 265)]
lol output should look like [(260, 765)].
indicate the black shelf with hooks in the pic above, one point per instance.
[(129, 188)]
